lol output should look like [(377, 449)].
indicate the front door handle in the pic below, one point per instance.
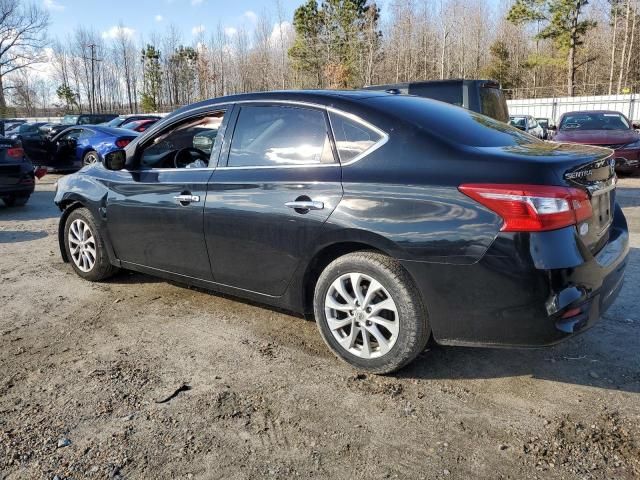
[(305, 205), (186, 199)]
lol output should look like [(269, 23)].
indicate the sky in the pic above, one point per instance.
[(144, 17)]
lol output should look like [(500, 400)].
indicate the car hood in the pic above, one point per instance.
[(597, 137)]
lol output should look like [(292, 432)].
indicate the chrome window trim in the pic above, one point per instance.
[(384, 137), (383, 140)]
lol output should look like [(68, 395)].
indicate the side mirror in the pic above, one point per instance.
[(636, 125), (115, 160), (552, 127)]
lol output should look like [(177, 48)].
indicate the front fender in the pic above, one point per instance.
[(79, 190)]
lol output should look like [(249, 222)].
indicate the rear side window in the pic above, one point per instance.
[(280, 135), (353, 138)]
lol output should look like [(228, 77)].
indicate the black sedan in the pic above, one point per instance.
[(17, 178), (394, 219)]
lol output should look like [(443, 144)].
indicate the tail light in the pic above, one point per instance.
[(123, 142), (15, 152), (532, 208)]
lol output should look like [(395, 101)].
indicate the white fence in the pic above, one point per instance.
[(552, 108)]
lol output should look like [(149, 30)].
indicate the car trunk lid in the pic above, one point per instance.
[(597, 177)]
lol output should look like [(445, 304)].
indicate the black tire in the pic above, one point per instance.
[(16, 201), (413, 326), (102, 268), (90, 158)]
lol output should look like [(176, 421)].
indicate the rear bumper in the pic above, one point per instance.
[(19, 183), (517, 294)]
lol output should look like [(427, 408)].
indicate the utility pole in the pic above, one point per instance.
[(93, 76)]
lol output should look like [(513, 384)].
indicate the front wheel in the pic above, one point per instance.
[(85, 247), (370, 313)]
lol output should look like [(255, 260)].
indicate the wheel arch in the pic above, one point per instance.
[(67, 206), (327, 254)]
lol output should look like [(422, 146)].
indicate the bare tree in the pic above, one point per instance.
[(23, 35)]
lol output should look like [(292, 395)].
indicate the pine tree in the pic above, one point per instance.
[(562, 25)]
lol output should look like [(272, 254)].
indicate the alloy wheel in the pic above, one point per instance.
[(82, 245), (362, 315), (90, 158)]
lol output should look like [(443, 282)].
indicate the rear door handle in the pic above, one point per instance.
[(305, 205), (186, 199)]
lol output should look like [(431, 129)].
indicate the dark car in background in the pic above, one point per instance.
[(7, 124), (603, 128), (76, 146), (392, 218), (27, 130), (81, 119), (482, 96), (17, 178)]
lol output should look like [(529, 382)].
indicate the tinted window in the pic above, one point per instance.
[(594, 121), (453, 125), (268, 136), (493, 103), (449, 93), (352, 138), (186, 145)]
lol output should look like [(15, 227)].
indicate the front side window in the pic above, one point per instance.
[(278, 136), (186, 145), (352, 137), (72, 134)]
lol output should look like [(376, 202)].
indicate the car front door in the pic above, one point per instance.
[(155, 209), (34, 144), (267, 204), (63, 148)]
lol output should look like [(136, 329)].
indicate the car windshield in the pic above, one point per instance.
[(131, 125), (70, 119), (519, 122), (594, 121), (543, 122)]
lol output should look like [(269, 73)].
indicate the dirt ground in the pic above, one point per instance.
[(86, 370)]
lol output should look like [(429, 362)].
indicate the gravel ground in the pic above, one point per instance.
[(140, 378)]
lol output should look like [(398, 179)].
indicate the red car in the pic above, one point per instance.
[(140, 125), (603, 128)]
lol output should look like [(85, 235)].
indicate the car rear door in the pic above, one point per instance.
[(268, 202), (155, 210)]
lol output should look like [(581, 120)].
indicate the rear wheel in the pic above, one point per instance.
[(370, 313), (16, 201), (90, 158), (85, 247)]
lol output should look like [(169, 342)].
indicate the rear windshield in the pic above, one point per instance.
[(493, 103), (453, 124), (594, 121)]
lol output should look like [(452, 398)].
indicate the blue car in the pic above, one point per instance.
[(75, 146)]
